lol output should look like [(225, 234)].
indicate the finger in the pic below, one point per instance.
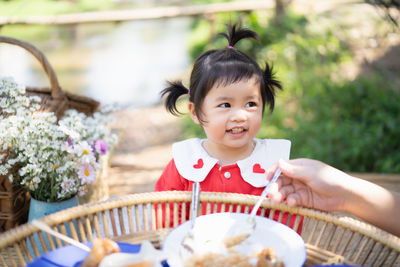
[(291, 201), (271, 170), (279, 194), (276, 197), (295, 169), (287, 168), (280, 182), (298, 198), (284, 180), (274, 188), (294, 199), (287, 190), (284, 192)]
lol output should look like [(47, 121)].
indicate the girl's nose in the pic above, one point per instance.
[(238, 115)]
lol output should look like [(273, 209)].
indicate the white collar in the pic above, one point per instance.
[(194, 163)]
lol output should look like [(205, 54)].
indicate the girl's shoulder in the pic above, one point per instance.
[(191, 143), (273, 144), (266, 153), (271, 150)]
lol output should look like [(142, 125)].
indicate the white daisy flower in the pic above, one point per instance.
[(85, 152), (3, 170), (87, 174)]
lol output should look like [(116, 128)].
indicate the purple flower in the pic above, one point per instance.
[(101, 146), (92, 145), (70, 142)]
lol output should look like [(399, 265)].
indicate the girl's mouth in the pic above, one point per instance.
[(237, 130)]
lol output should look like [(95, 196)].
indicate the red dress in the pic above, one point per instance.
[(192, 163)]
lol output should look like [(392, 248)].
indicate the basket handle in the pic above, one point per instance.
[(56, 91)]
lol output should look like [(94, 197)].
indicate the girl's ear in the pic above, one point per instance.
[(193, 113)]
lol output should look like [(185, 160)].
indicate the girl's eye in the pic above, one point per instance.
[(251, 104), (225, 105)]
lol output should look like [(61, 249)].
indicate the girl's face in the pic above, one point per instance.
[(232, 116)]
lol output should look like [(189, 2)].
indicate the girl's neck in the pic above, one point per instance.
[(228, 155)]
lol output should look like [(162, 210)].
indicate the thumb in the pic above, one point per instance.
[(293, 169)]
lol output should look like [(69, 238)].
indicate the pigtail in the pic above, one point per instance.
[(172, 93), (236, 33), (271, 85)]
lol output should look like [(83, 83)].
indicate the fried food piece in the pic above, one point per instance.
[(214, 259), (267, 258), (234, 240), (100, 249), (141, 264)]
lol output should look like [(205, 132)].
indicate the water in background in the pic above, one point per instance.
[(127, 65)]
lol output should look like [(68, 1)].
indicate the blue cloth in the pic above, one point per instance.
[(70, 256)]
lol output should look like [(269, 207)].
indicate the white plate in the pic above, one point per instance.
[(211, 229)]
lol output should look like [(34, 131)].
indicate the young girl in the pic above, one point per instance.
[(227, 95)]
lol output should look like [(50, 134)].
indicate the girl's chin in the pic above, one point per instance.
[(238, 144)]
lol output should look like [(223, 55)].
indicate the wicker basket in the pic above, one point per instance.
[(330, 239), (53, 98), (14, 205)]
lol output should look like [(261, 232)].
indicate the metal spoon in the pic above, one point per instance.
[(187, 244), (241, 231), (264, 194)]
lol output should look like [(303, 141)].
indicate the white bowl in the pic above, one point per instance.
[(210, 230)]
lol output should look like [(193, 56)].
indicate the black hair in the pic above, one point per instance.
[(223, 67)]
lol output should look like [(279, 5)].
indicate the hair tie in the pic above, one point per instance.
[(188, 92), (230, 47)]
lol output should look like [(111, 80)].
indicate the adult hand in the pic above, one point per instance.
[(314, 184), (310, 183)]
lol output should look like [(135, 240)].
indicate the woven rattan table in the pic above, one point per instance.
[(329, 238)]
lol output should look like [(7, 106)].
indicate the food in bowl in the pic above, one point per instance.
[(266, 258), (212, 235), (231, 241)]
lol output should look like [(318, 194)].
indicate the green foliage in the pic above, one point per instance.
[(192, 129), (352, 125)]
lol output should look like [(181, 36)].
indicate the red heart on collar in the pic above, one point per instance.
[(199, 164), (257, 168)]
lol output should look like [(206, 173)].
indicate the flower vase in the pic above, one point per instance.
[(39, 209)]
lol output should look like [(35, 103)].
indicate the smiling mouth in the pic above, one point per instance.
[(237, 130)]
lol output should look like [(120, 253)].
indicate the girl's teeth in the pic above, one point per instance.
[(237, 130)]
